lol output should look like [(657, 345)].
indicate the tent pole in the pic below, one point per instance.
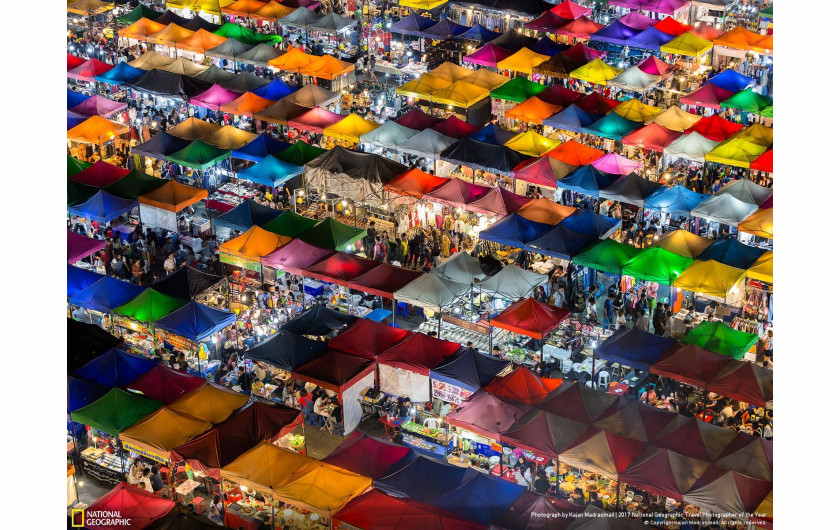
[(594, 382), (440, 319)]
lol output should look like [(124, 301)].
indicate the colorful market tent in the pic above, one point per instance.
[(723, 490), (630, 189), (561, 242), (275, 89), (163, 430), (78, 193), (690, 364), (493, 134), (482, 412), (596, 71), (195, 321), (522, 61), (318, 321), (532, 110), (664, 472), (451, 72), (228, 138), (422, 87), (634, 347), (414, 182), (88, 70), (670, 26), (597, 104), (377, 511), (720, 338), (476, 33), (706, 31), (98, 106), (431, 291), (247, 214), (365, 455), (469, 369), (80, 279), (544, 210), (724, 209), (201, 41), (246, 105), (687, 44), (74, 98), (715, 128), (106, 294), (99, 174), (461, 268), (137, 508), (150, 306), (115, 411), (528, 510), (245, 35), (79, 246), (711, 278), (560, 95), (264, 467), (416, 119), (422, 478), (228, 50), (150, 60), (388, 136), (455, 127), (608, 255), (259, 148), (612, 126), (543, 433), (141, 11), (579, 28), (445, 29), (635, 110), (614, 33), (570, 10), (170, 36), (199, 155), (160, 146), (603, 452), (481, 497), (300, 153), (683, 243), (339, 268), (514, 231), (708, 95), (531, 143), (327, 67), (654, 66), (578, 402), (615, 164), (366, 338), (635, 80), (332, 234), (186, 282), (749, 101), (499, 202), (736, 152), (164, 384), (315, 120), (270, 171), (572, 118), (759, 223), (652, 137), (544, 172), (259, 55), (657, 265), (339, 372), (404, 368), (518, 90), (531, 318), (590, 223), (764, 162), (487, 55), (350, 128), (523, 385), (214, 97), (210, 403), (745, 381), (244, 82), (739, 37), (675, 200), (81, 392), (159, 82), (732, 252), (383, 280), (103, 207), (295, 256), (96, 130), (288, 224), (114, 368), (89, 341), (494, 158), (459, 94), (286, 350), (691, 146), (254, 244), (649, 38), (193, 129)]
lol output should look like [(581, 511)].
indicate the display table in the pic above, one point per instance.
[(234, 520), (313, 287), (619, 389), (378, 315), (105, 468)]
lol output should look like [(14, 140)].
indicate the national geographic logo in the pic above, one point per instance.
[(81, 518)]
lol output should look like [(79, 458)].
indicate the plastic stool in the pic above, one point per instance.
[(164, 474), (402, 309), (395, 325), (199, 505)]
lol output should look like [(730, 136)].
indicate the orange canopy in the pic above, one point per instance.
[(415, 183), (246, 105), (96, 130), (210, 402), (163, 430), (575, 153), (326, 67), (243, 8), (171, 35), (200, 41), (533, 110), (764, 46), (545, 210), (739, 37), (294, 60), (272, 11), (141, 29), (254, 244), (173, 196)]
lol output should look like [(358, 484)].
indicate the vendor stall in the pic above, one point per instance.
[(135, 320)]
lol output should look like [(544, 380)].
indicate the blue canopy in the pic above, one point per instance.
[(318, 321), (195, 321), (270, 171), (103, 207), (615, 33), (74, 119), (468, 369), (80, 279), (733, 253), (481, 498), (74, 98), (115, 368), (634, 348), (245, 215), (287, 351), (275, 89), (259, 148), (572, 118), (160, 146), (122, 73), (422, 479), (546, 46), (590, 223), (412, 25), (81, 392), (649, 39), (514, 231), (561, 242), (106, 294), (479, 32), (731, 80), (493, 134), (676, 200), (587, 180), (443, 30)]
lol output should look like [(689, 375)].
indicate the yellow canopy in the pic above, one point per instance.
[(184, 66), (532, 144), (193, 129), (635, 110), (760, 223), (426, 5), (229, 137), (762, 269), (676, 119), (89, 7), (687, 44), (684, 243), (451, 72), (766, 506), (710, 278), (522, 61), (141, 29), (265, 467), (210, 6), (422, 87), (322, 488), (210, 402), (545, 210), (254, 244), (151, 60), (201, 41), (247, 104), (736, 152), (171, 35), (757, 134), (533, 110), (595, 71), (272, 11), (326, 67), (293, 60), (487, 79), (350, 128), (96, 130), (460, 94), (163, 430)]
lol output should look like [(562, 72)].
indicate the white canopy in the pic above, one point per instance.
[(428, 143), (461, 268), (388, 136), (693, 146), (747, 191), (512, 283), (432, 291), (635, 79), (724, 209)]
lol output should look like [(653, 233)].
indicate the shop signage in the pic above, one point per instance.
[(177, 341), (143, 452), (449, 393), (472, 326), (239, 262), (129, 324)]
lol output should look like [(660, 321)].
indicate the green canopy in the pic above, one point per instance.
[(150, 305), (115, 411), (245, 35), (289, 224), (300, 153), (137, 13), (74, 165), (332, 234), (608, 256), (78, 193), (720, 338), (612, 126), (657, 265), (768, 112), (749, 101), (767, 12), (199, 155), (517, 89), (134, 185)]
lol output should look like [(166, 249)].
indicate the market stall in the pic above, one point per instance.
[(164, 384), (135, 320), (103, 297)]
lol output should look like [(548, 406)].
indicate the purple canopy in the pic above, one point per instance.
[(98, 106), (79, 246), (615, 33)]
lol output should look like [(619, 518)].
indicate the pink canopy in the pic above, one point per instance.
[(636, 20), (616, 164), (88, 70), (654, 66), (295, 256), (652, 136), (79, 246), (457, 193), (316, 120), (498, 201), (98, 106), (214, 97), (708, 95), (488, 55)]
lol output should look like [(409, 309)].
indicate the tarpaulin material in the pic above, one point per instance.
[(514, 231), (572, 118), (247, 214), (151, 60), (186, 282), (454, 127), (88, 70), (264, 467), (531, 318), (695, 438), (417, 353), (582, 52), (749, 101), (99, 174), (244, 82), (590, 223), (481, 498), (287, 223), (459, 94), (499, 202), (736, 152), (326, 67), (339, 268), (518, 90), (315, 120), (561, 242), (422, 87), (764, 46), (431, 291), (596, 72), (612, 126), (544, 172), (749, 455), (366, 338), (182, 518), (480, 155), (78, 193), (163, 430), (300, 153), (691, 146), (423, 479), (608, 255), (456, 193), (739, 37), (115, 411), (579, 28), (715, 128), (270, 171), (96, 130), (724, 208), (98, 106), (732, 252), (720, 338), (603, 452), (168, 84), (415, 183), (228, 50), (690, 364), (416, 119), (649, 39), (150, 306), (195, 321), (377, 511), (657, 265), (287, 350), (413, 25), (615, 164), (523, 385), (103, 207), (764, 162), (388, 136), (136, 507), (675, 200), (687, 44), (483, 412), (683, 243), (543, 433), (578, 402), (275, 90), (245, 35), (74, 98), (164, 384), (636, 20), (634, 347), (173, 196), (676, 119), (106, 294), (210, 403), (80, 279), (630, 189), (450, 72), (664, 472), (469, 370), (229, 137), (445, 29), (350, 128), (528, 510), (199, 155), (201, 41), (635, 80), (595, 103), (544, 210), (523, 61), (615, 33), (88, 342), (171, 35), (759, 223), (259, 148), (570, 10), (383, 280), (295, 256), (254, 244), (246, 105), (478, 33), (141, 11), (672, 27), (332, 234), (214, 97), (635, 110), (488, 55), (81, 392), (160, 146), (335, 371), (79, 246), (724, 491), (114, 368), (366, 456), (708, 95)]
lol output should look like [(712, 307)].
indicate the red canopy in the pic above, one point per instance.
[(744, 381), (764, 162), (378, 511), (73, 61), (631, 418), (340, 267), (498, 201), (570, 10), (560, 95), (728, 491), (545, 171), (457, 193), (88, 70), (664, 472), (597, 104), (418, 353), (366, 338), (79, 246), (652, 136), (536, 512), (295, 256), (543, 433), (486, 414), (671, 27), (708, 95), (523, 385), (165, 384), (577, 402), (748, 455), (455, 128), (582, 53), (415, 183), (418, 120), (384, 280), (100, 174), (690, 364), (140, 507), (315, 120), (366, 456), (580, 28), (335, 370), (603, 452), (715, 128), (695, 438), (531, 318)]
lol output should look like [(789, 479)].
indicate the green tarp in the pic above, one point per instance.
[(115, 411), (767, 12), (749, 101), (332, 234), (517, 89), (720, 338), (199, 155), (78, 193), (150, 305), (289, 224), (245, 35), (608, 256), (657, 265), (134, 185), (74, 165), (300, 153), (137, 13)]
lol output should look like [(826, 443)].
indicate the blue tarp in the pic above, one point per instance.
[(275, 89), (561, 242), (74, 98), (195, 321), (676, 200), (482, 498), (587, 180), (412, 25), (81, 392), (245, 215), (591, 223), (287, 351), (649, 39), (572, 118), (115, 368), (468, 369), (103, 207), (731, 80), (493, 134), (733, 253), (122, 73), (634, 348), (514, 231), (74, 119), (615, 33), (318, 321), (479, 32), (270, 171), (259, 148), (160, 146), (546, 46), (80, 279), (106, 294), (422, 479), (443, 30)]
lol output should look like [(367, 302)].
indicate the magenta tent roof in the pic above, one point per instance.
[(88, 70), (570, 10), (316, 120), (100, 174), (636, 20), (295, 256), (366, 338), (79, 246), (455, 128), (708, 95), (583, 53), (418, 120), (165, 384), (498, 201), (384, 280), (664, 472), (486, 414), (366, 456), (616, 164), (488, 55), (690, 364), (214, 97), (654, 66), (457, 193), (98, 106)]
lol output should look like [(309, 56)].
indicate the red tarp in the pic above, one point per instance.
[(378, 511), (335, 370), (457, 193), (544, 433), (88, 70), (73, 61), (100, 174), (690, 364), (415, 183), (603, 452), (523, 385), (537, 512), (744, 381), (671, 27), (340, 268), (365, 455), (749, 455), (583, 53), (597, 104), (140, 507), (418, 353), (652, 136), (531, 318), (580, 28), (664, 472), (764, 162), (577, 402), (384, 280), (570, 10), (499, 202), (79, 246), (295, 256), (715, 128), (367, 338), (560, 95), (418, 120), (315, 120), (165, 384), (455, 128), (544, 171), (695, 438), (708, 95), (486, 414)]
